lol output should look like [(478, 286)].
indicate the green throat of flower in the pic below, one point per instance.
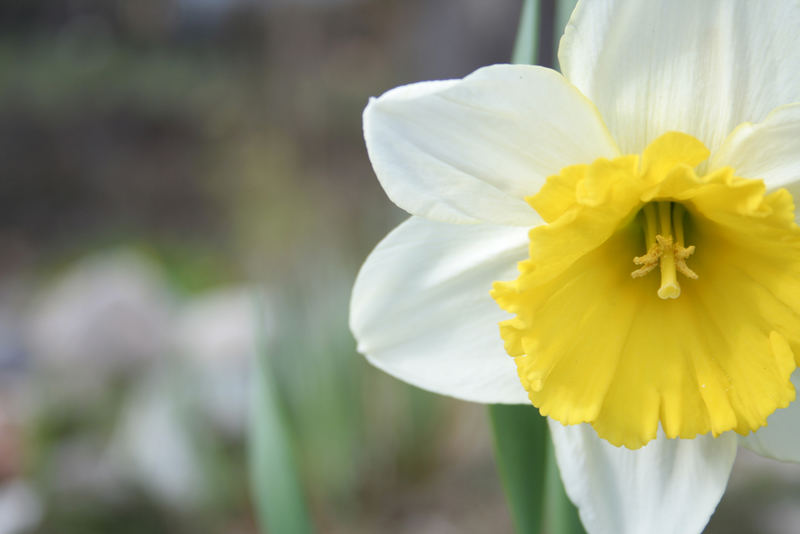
[(664, 242)]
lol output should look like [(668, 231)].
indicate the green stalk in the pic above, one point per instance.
[(277, 492), (526, 44), (520, 439), (520, 433), (523, 449)]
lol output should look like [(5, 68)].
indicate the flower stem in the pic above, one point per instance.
[(520, 439), (527, 43), (278, 494)]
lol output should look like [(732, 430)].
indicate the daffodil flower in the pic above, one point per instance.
[(630, 227)]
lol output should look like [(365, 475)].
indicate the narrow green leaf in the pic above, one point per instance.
[(277, 492), (520, 438), (564, 9), (527, 42), (560, 514), (523, 449)]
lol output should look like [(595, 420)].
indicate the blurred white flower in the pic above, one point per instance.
[(20, 507), (217, 336), (153, 446), (106, 312), (214, 340)]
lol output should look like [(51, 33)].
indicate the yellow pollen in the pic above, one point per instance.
[(664, 240)]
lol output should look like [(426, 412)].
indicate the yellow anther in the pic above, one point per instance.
[(664, 250), (648, 262), (681, 255)]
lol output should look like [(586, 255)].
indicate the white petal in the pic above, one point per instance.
[(666, 487), (471, 150), (780, 438), (769, 150), (21, 507), (421, 309), (697, 67)]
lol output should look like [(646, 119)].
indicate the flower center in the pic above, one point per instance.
[(592, 345), (664, 242)]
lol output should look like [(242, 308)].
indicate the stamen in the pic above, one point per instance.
[(677, 221), (681, 253), (649, 225), (665, 247), (648, 262), (650, 259)]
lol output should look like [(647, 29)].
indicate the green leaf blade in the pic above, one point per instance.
[(520, 437), (526, 45), (275, 484)]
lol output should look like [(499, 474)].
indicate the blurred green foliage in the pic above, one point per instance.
[(224, 144)]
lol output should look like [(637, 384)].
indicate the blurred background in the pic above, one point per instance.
[(185, 189)]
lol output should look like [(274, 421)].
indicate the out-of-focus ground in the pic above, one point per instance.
[(168, 168)]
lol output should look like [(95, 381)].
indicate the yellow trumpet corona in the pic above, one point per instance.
[(627, 351)]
